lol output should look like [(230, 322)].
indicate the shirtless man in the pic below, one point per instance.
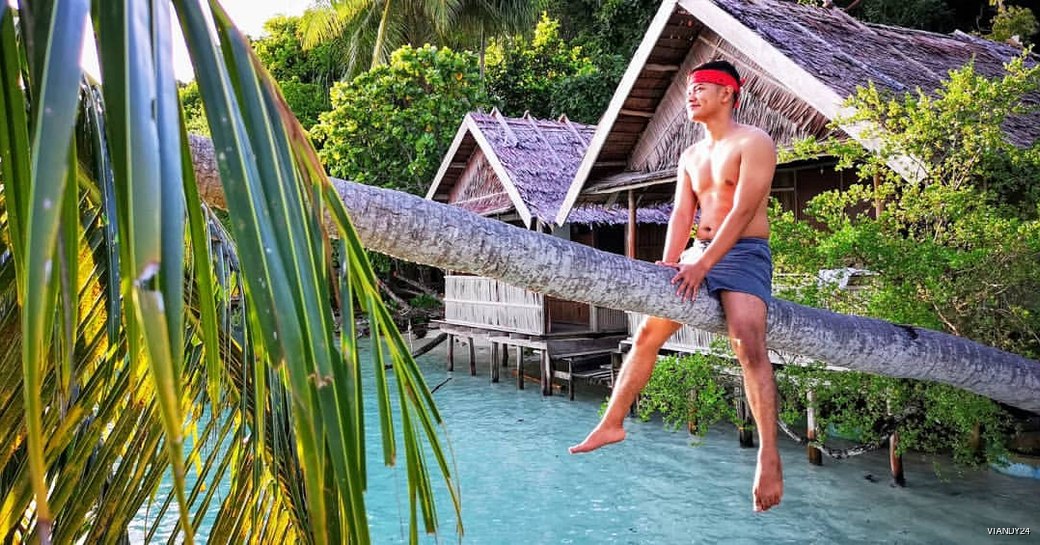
[(727, 175)]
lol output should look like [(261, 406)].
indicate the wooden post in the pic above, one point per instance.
[(451, 352), (493, 367), (631, 238), (975, 441), (615, 366), (505, 355), (815, 455), (895, 461), (472, 358), (691, 417), (520, 367), (546, 365), (745, 435), (593, 318)]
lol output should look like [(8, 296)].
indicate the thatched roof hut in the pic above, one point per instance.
[(800, 64), (497, 165)]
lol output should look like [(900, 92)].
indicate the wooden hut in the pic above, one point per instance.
[(518, 170), (799, 63)]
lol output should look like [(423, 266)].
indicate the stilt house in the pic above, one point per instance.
[(799, 62), (517, 170)]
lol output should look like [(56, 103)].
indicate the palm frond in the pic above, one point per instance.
[(220, 386)]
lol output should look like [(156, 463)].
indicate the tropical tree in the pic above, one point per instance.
[(392, 125), (431, 233), (548, 77), (129, 336), (477, 21), (372, 29)]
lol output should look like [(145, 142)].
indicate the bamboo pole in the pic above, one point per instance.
[(745, 431), (472, 357), (451, 352), (815, 455), (631, 239)]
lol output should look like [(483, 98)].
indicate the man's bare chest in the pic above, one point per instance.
[(714, 172)]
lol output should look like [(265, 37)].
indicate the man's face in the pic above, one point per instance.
[(704, 99)]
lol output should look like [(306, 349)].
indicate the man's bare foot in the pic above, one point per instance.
[(600, 436), (769, 480)]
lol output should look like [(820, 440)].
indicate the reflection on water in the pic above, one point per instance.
[(520, 486)]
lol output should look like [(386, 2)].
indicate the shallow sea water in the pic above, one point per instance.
[(520, 486)]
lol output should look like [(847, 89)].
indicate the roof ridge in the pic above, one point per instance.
[(497, 115), (538, 132), (574, 130)]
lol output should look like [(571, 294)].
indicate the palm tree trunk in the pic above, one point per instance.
[(421, 231)]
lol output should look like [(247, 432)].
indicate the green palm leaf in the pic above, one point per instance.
[(222, 370)]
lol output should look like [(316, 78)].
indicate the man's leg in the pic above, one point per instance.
[(746, 321), (635, 373)]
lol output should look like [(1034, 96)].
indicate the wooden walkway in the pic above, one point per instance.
[(566, 356)]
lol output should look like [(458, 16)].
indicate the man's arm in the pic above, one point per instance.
[(683, 212), (757, 165)]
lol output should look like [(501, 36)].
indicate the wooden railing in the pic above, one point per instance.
[(485, 302), (477, 301)]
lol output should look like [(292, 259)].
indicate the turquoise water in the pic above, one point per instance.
[(520, 486)]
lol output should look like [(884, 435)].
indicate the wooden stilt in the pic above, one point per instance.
[(895, 460), (451, 352), (975, 442), (631, 237), (472, 357), (745, 432), (691, 422), (505, 355), (493, 367), (546, 378), (815, 455), (520, 367)]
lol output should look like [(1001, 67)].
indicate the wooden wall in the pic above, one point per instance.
[(478, 189)]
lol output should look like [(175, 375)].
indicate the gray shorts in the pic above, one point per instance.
[(746, 268)]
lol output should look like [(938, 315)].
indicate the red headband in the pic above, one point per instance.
[(718, 77)]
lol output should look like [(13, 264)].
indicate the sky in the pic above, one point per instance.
[(249, 15)]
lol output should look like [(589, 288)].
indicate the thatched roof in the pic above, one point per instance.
[(531, 162), (800, 64)]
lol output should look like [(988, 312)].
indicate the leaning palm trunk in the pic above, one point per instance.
[(443, 236), (131, 325)]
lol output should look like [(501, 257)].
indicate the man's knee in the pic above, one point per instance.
[(750, 346), (653, 333)]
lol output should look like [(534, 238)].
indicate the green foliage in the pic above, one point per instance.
[(546, 76), (1014, 21), (934, 15), (391, 126), (424, 301), (621, 24), (689, 391), (956, 248), (281, 52), (194, 111), (303, 74)]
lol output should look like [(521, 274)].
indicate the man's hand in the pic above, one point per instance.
[(689, 278)]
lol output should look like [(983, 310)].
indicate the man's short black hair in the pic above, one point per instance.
[(725, 66)]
